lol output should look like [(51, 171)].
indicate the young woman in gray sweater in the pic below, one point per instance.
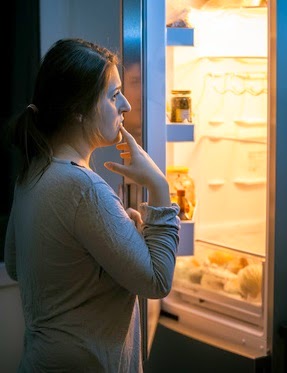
[(78, 257)]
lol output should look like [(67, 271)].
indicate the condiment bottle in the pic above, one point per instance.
[(183, 205)]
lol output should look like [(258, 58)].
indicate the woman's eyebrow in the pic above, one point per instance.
[(116, 88)]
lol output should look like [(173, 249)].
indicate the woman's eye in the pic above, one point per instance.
[(115, 95)]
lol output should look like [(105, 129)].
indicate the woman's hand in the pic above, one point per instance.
[(140, 168), (135, 216)]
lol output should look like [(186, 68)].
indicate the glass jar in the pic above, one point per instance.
[(181, 107), (179, 179)]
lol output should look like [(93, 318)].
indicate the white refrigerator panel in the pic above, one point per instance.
[(225, 65)]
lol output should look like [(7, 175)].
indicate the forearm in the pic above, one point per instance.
[(160, 232), (158, 194)]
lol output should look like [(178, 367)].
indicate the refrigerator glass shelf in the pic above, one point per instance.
[(250, 122), (179, 36), (180, 132), (216, 122), (216, 182), (250, 181)]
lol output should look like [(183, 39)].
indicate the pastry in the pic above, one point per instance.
[(250, 280)]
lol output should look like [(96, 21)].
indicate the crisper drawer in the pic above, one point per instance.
[(221, 280), (214, 328)]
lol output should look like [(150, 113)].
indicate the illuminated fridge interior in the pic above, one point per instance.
[(221, 57)]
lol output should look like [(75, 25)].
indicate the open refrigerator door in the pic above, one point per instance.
[(138, 50), (218, 53)]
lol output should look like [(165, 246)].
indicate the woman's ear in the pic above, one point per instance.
[(79, 117)]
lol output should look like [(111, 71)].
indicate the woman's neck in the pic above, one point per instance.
[(71, 153)]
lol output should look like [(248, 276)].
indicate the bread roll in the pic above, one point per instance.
[(250, 280), (236, 264), (220, 257)]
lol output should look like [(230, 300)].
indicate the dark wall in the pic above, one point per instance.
[(6, 29), (20, 57)]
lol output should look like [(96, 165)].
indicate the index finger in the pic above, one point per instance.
[(129, 138)]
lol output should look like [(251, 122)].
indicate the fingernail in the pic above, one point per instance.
[(108, 164)]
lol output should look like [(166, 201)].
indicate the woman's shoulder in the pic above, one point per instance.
[(66, 186), (68, 171)]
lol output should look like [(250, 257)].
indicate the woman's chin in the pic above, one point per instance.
[(116, 140)]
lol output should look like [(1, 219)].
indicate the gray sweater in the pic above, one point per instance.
[(81, 263)]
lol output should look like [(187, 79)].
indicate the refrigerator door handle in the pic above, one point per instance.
[(126, 193), (131, 194)]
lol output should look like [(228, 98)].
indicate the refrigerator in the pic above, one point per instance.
[(207, 84)]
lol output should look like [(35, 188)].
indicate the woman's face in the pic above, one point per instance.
[(111, 106)]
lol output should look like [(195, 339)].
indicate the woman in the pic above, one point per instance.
[(77, 254)]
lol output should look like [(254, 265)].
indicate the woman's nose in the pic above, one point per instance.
[(126, 106)]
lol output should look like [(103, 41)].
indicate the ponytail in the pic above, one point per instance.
[(29, 140)]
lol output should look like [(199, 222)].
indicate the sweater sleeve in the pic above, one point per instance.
[(142, 262)]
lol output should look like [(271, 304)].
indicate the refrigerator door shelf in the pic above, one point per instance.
[(180, 132), (179, 36), (186, 233), (215, 329)]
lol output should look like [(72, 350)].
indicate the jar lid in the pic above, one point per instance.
[(174, 92), (177, 169), (181, 192)]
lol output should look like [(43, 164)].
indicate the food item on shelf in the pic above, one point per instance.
[(195, 275), (178, 15), (179, 179), (220, 271), (210, 281), (184, 207), (232, 286), (195, 262), (181, 107), (216, 278), (250, 280), (220, 257), (183, 265), (187, 268), (236, 264), (173, 197)]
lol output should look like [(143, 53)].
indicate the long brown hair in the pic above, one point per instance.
[(71, 78)]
